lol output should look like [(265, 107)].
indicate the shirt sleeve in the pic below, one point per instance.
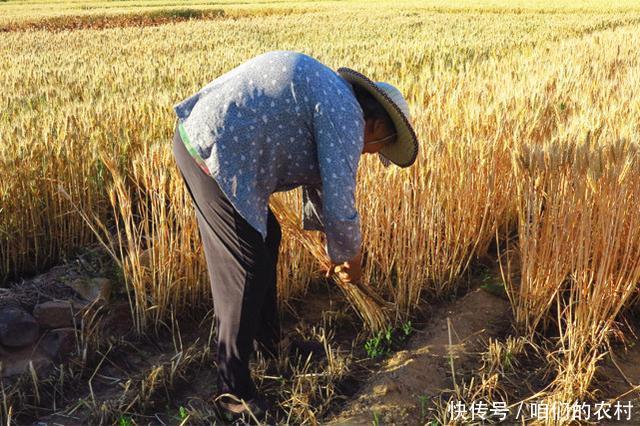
[(339, 135)]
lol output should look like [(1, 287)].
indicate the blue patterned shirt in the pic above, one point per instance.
[(278, 121)]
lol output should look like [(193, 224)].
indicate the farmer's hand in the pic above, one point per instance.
[(349, 272)]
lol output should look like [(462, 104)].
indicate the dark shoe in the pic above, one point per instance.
[(232, 408)]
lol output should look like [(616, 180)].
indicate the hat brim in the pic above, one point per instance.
[(404, 150)]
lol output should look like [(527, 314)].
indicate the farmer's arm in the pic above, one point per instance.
[(339, 139), (341, 219), (312, 221)]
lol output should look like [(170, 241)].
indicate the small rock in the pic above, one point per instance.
[(379, 390), (55, 314), (59, 344), (385, 388), (15, 363), (17, 327), (92, 289)]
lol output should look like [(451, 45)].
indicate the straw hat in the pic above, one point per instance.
[(404, 150)]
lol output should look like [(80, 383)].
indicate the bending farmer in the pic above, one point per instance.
[(278, 121)]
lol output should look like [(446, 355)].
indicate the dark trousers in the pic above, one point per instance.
[(242, 271)]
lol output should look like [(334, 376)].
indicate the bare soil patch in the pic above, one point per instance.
[(618, 377), (423, 369)]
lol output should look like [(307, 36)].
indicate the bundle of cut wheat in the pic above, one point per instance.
[(367, 303)]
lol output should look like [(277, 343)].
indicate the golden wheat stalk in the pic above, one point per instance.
[(366, 302)]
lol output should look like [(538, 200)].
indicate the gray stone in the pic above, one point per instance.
[(58, 344), (17, 362), (55, 314), (17, 327), (93, 288), (3, 353)]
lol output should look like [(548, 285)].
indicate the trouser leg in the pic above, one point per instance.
[(238, 288), (269, 332), (239, 266)]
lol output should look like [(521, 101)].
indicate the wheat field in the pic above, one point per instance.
[(527, 113)]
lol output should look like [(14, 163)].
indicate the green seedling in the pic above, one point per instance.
[(125, 421)]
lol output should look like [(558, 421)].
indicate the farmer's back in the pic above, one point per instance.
[(262, 127)]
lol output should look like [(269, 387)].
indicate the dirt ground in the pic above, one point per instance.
[(618, 377), (151, 379), (458, 331)]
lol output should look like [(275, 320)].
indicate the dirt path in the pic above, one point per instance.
[(423, 369)]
